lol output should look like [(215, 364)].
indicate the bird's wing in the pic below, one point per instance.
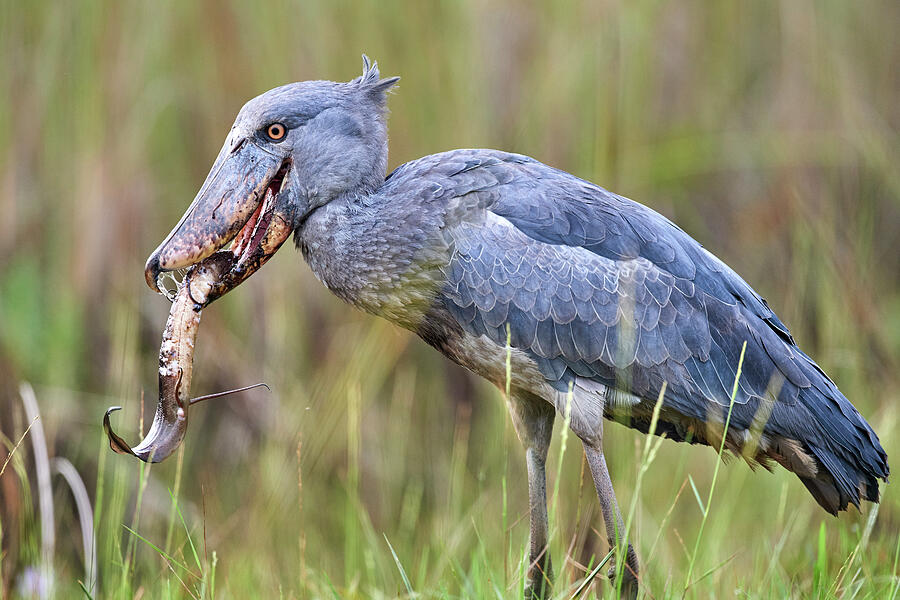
[(594, 286)]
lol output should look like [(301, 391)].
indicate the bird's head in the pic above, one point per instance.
[(290, 151)]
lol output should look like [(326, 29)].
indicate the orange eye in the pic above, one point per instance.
[(276, 131)]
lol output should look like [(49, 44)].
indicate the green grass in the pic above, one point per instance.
[(373, 469)]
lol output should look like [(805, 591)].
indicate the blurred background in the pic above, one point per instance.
[(768, 131)]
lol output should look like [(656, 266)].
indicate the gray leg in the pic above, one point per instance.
[(587, 403), (615, 528), (533, 421)]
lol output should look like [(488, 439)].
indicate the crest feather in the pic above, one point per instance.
[(370, 81)]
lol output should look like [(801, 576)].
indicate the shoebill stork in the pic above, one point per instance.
[(598, 300)]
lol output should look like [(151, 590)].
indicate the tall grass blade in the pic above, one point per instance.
[(170, 529), (85, 518), (171, 559), (820, 569), (590, 577), (406, 583), (187, 531), (45, 491), (697, 495), (12, 450), (895, 577), (712, 485)]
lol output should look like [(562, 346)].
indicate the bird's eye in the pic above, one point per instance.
[(276, 132)]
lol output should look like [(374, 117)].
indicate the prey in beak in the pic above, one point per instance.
[(239, 219), (176, 365), (241, 209)]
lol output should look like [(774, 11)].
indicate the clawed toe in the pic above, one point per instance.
[(629, 587), (539, 581), (537, 590)]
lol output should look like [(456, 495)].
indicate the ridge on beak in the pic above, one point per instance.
[(239, 202)]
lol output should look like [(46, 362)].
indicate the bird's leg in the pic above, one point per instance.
[(540, 571), (615, 528), (533, 422)]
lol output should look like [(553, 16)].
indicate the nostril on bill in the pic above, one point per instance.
[(238, 145)]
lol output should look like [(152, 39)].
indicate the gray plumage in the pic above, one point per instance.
[(592, 285), (602, 299)]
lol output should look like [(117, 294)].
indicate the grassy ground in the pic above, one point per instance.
[(769, 131)]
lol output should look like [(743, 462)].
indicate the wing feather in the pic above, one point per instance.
[(595, 286)]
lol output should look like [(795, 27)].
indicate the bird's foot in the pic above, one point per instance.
[(537, 589), (540, 577), (629, 585)]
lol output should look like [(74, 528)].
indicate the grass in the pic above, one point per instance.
[(767, 130), (705, 508)]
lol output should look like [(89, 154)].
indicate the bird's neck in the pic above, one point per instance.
[(375, 253)]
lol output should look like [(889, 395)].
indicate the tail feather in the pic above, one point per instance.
[(840, 483), (849, 459), (825, 493)]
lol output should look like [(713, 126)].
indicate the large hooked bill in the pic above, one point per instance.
[(241, 216), (246, 205), (176, 358)]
